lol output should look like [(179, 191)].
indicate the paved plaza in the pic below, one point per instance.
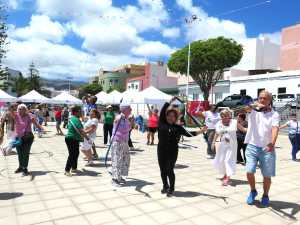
[(48, 197)]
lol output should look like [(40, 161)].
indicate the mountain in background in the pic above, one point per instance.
[(62, 84)]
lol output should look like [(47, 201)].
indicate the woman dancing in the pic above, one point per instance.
[(226, 147), (169, 133), (120, 156)]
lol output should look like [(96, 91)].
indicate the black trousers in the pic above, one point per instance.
[(107, 129), (130, 141), (241, 147), (24, 151), (167, 161), (73, 149)]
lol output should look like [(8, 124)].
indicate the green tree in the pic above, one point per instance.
[(92, 89), (20, 85), (3, 43), (208, 60), (34, 80)]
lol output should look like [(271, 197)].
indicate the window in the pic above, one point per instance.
[(195, 96), (281, 90), (259, 90), (243, 92), (116, 81), (227, 98), (286, 96)]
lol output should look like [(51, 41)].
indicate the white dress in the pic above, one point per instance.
[(226, 148), (87, 144)]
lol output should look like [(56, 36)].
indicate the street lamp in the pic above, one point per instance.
[(189, 22)]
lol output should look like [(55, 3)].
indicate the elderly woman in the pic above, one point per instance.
[(120, 156), (169, 133), (225, 141), (294, 134), (90, 128), (74, 136), (23, 122)]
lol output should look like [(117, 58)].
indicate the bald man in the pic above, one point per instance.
[(261, 139)]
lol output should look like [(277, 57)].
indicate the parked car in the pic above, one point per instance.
[(235, 100), (285, 100)]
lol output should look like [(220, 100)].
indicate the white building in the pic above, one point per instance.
[(287, 82), (259, 54)]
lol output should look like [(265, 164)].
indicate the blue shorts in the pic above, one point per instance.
[(266, 160)]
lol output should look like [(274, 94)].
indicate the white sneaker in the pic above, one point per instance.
[(89, 163), (209, 156)]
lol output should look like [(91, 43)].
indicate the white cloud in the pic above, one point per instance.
[(57, 60), (274, 37), (13, 4), (40, 27), (72, 8), (173, 32), (153, 48)]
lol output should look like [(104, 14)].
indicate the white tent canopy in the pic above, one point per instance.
[(131, 97), (113, 98), (152, 95), (65, 98), (101, 97), (4, 97), (34, 96)]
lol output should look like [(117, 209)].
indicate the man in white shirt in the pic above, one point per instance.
[(211, 117), (261, 138)]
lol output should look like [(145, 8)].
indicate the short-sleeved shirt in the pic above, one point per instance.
[(57, 114), (90, 123), (294, 127), (23, 124), (211, 119), (109, 117), (72, 133), (260, 126)]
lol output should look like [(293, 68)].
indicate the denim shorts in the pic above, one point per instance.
[(266, 160)]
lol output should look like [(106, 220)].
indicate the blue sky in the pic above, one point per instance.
[(78, 37)]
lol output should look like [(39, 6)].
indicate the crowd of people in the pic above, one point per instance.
[(250, 139)]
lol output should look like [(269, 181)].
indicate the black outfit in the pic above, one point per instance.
[(107, 129), (130, 144), (65, 118), (240, 143), (73, 149), (167, 149)]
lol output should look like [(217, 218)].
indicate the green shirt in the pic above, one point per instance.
[(72, 133), (109, 117)]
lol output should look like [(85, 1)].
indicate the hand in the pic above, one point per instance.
[(173, 99), (270, 147)]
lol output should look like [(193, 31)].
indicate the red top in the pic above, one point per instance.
[(153, 120), (57, 114)]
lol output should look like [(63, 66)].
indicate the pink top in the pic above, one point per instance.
[(153, 121), (22, 124), (122, 133)]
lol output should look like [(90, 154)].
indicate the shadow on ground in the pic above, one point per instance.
[(192, 194), (40, 173), (181, 166), (283, 209), (10, 195), (86, 172), (139, 185)]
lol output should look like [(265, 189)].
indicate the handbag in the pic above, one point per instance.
[(16, 142)]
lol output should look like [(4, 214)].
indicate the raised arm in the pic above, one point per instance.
[(187, 133), (162, 115)]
